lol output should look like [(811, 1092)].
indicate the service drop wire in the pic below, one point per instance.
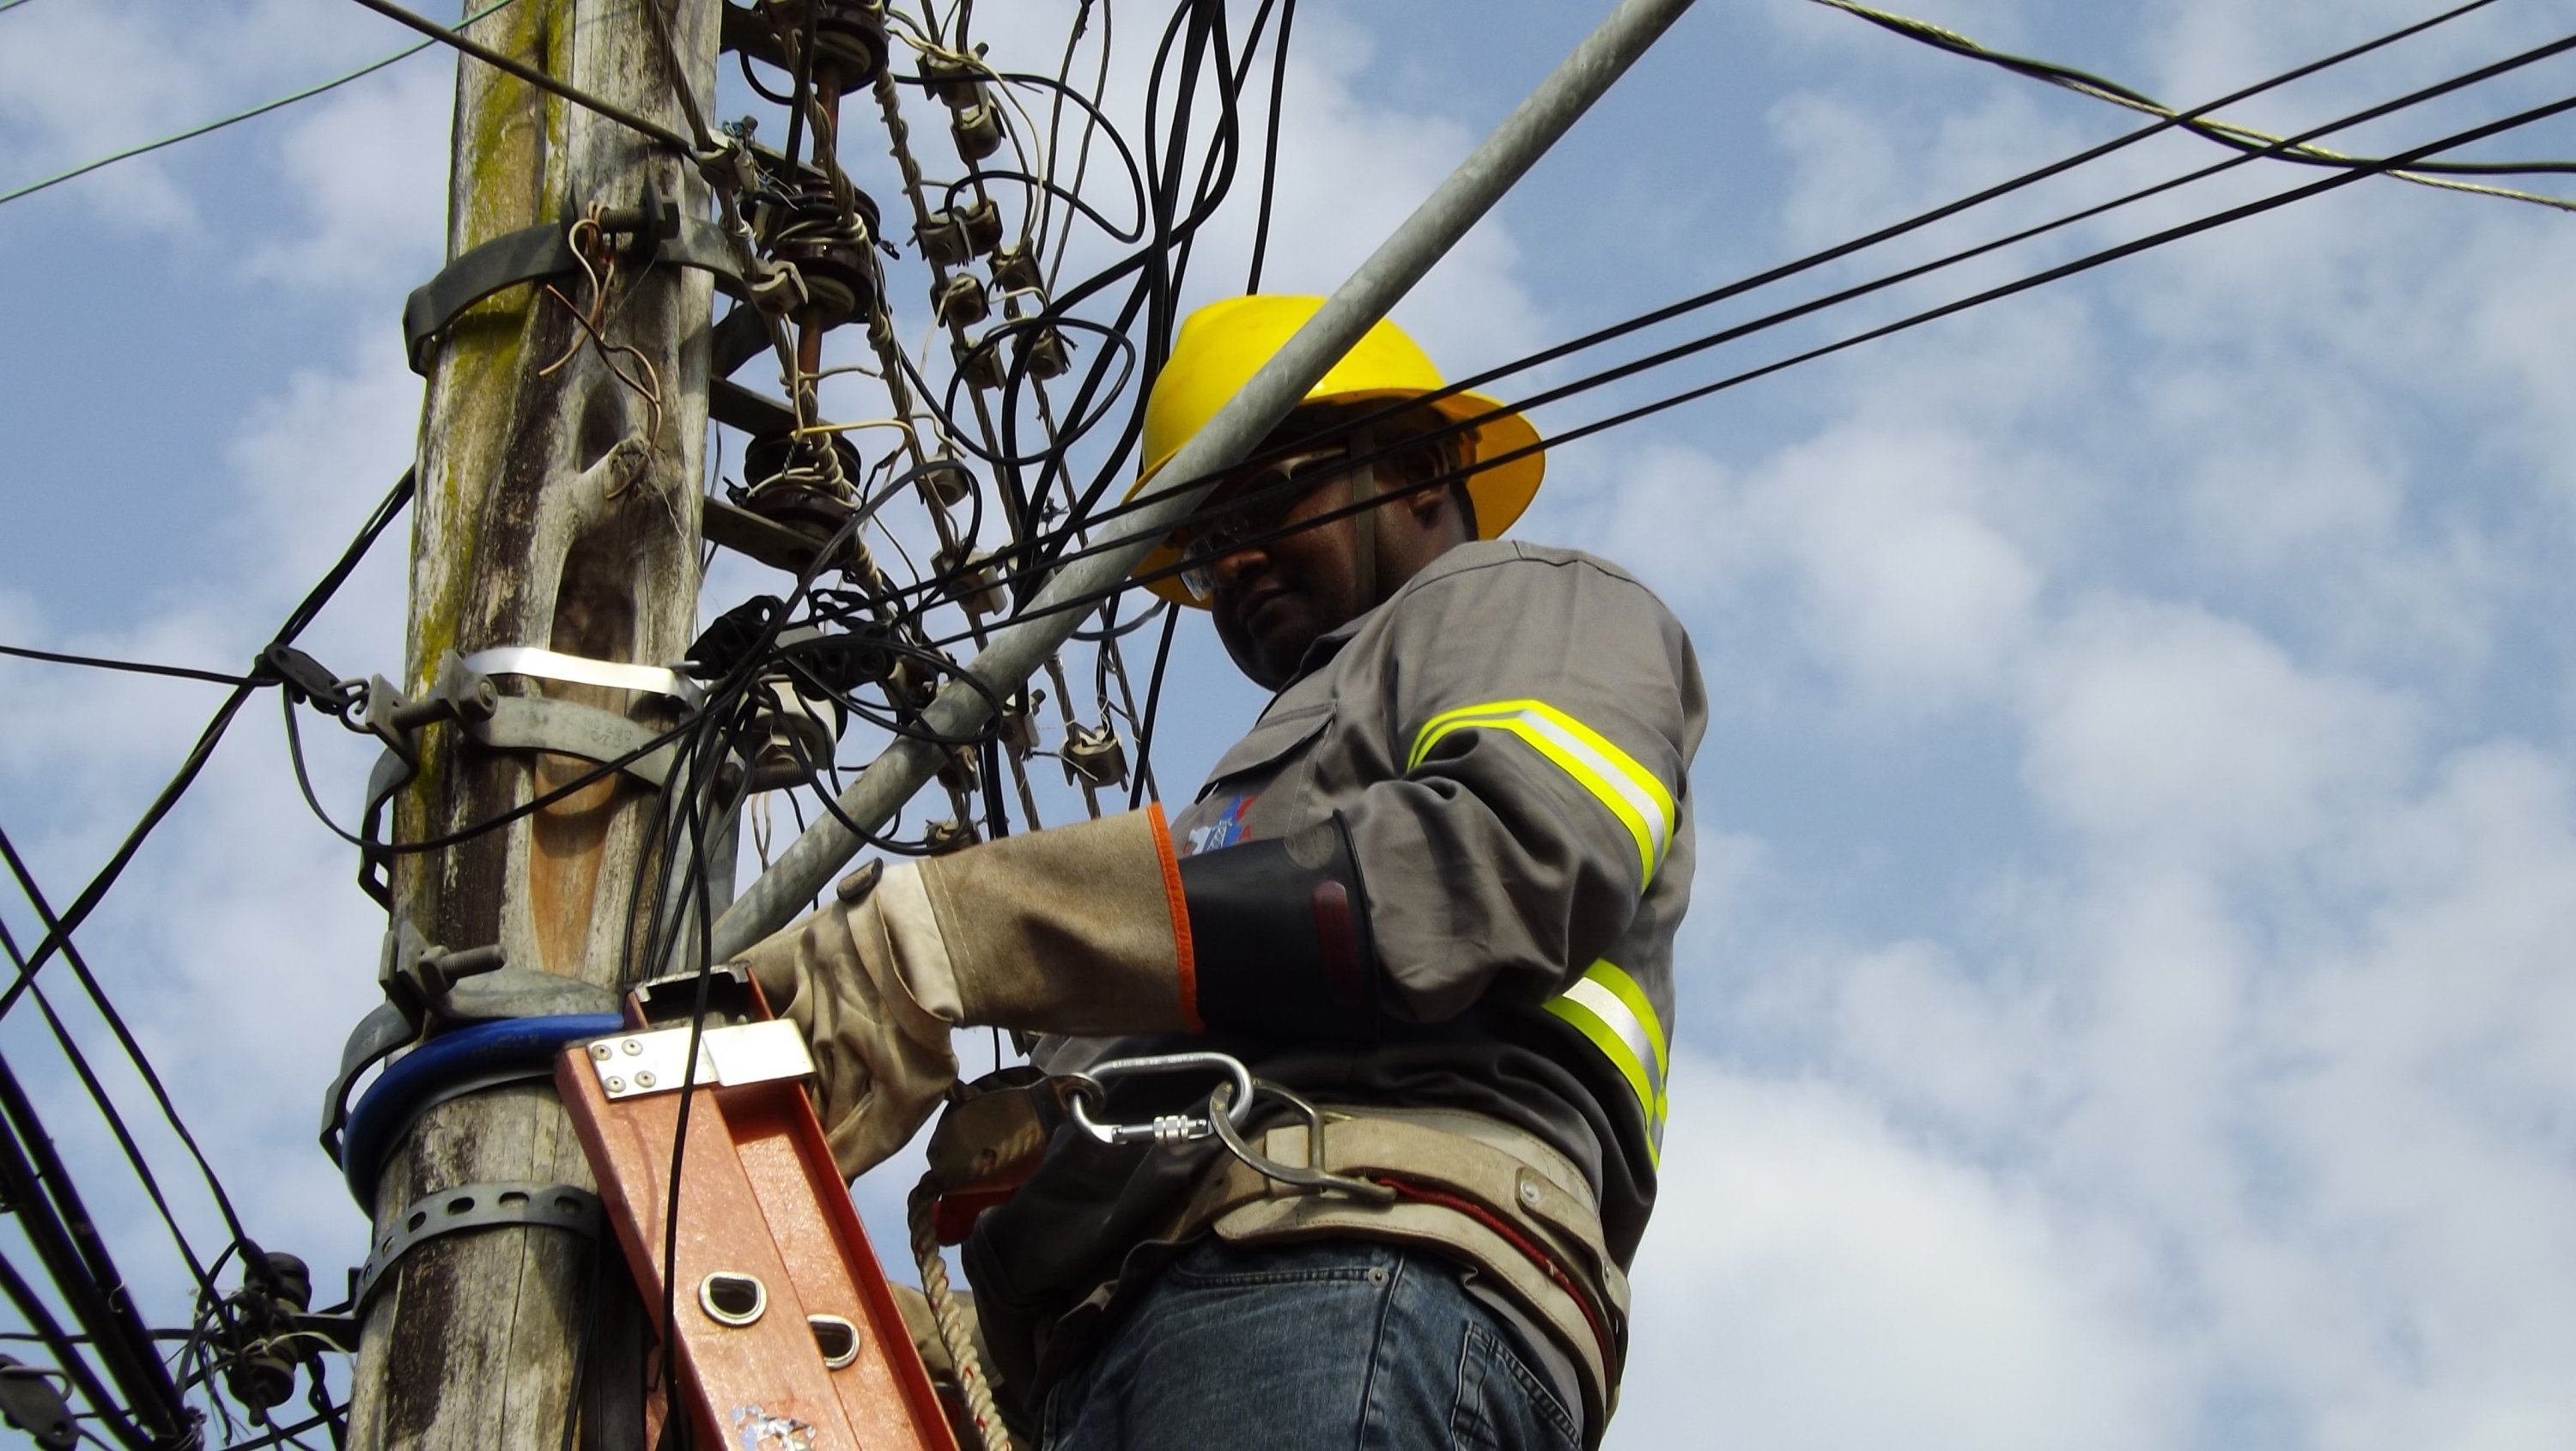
[(2085, 263), (1482, 380), (386, 511), (137, 667), (2084, 83), (1703, 300), (127, 1042), (1701, 344), (105, 1408), (208, 129), (117, 1127)]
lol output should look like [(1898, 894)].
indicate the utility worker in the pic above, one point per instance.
[(1434, 891)]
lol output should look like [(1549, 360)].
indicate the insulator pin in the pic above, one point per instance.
[(1094, 757), (960, 301), (978, 131)]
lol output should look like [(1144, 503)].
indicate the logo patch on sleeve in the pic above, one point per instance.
[(1223, 832)]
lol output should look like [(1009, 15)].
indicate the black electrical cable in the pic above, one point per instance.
[(801, 94), (1270, 145), (532, 75), (56, 1224), (115, 1022), (1127, 234), (103, 1406), (1093, 599), (386, 511), (283, 1434), (1481, 380), (211, 127), (96, 662), (2101, 88), (1153, 704), (116, 1125), (1677, 352)]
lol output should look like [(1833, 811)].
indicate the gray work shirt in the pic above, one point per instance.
[(1508, 740)]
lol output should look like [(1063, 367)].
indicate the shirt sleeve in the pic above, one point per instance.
[(1542, 713)]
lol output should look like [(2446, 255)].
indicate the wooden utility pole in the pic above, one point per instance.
[(557, 509)]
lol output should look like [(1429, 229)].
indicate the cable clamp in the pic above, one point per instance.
[(465, 695), (472, 1206), (428, 989)]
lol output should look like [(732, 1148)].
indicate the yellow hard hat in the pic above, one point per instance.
[(1224, 343)]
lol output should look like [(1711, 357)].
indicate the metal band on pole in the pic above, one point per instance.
[(1017, 650)]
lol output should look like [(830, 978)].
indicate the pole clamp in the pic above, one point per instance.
[(464, 694), (653, 231), (472, 1206)]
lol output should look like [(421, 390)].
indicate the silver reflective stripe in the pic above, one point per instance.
[(1611, 1011)]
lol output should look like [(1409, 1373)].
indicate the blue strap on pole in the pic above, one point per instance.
[(485, 1055)]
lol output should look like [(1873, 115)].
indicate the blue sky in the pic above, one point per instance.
[(2125, 1001)]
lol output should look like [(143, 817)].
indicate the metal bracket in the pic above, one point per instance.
[(659, 232), (465, 694), (474, 1206), (635, 1064), (544, 664), (566, 727), (458, 695)]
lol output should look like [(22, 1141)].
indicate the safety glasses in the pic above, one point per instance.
[(1252, 507)]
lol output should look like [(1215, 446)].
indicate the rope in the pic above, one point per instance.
[(954, 1332)]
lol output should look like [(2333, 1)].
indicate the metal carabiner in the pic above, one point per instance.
[(1171, 1129)]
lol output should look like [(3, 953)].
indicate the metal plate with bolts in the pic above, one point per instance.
[(632, 1064)]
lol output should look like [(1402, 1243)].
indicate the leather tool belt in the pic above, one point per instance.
[(1466, 1186)]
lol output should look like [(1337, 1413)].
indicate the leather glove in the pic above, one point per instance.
[(1081, 929)]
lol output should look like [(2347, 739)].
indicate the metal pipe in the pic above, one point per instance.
[(773, 900)]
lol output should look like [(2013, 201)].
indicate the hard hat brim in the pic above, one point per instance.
[(1501, 492)]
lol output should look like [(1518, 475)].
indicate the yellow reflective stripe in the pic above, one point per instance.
[(1629, 790), (1611, 1011)]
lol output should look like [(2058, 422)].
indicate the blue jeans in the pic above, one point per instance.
[(1340, 1344)]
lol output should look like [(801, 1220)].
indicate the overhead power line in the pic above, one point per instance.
[(234, 119), (502, 60), (2226, 133), (2085, 263), (1484, 380), (138, 667), (386, 511)]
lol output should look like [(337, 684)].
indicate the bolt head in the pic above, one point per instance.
[(644, 1079), (599, 1051), (616, 1085), (632, 1047)]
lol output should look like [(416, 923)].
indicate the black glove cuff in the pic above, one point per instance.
[(1280, 934)]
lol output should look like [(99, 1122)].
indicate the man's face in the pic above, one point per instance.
[(1273, 597)]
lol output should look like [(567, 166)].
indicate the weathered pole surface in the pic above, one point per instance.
[(552, 511)]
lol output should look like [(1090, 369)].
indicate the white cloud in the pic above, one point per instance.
[(2159, 728), (369, 167), (1818, 1281)]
